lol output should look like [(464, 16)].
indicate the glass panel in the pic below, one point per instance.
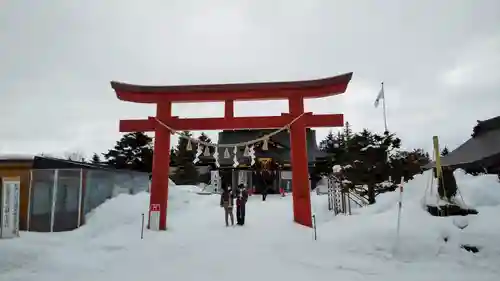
[(140, 182), (102, 185), (98, 188), (131, 182), (66, 207), (123, 183), (41, 200)]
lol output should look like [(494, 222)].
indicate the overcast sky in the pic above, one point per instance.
[(440, 61)]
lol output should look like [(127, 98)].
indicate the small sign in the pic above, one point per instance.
[(154, 217), (9, 207), (286, 175)]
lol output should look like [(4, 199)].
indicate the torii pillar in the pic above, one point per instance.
[(294, 92)]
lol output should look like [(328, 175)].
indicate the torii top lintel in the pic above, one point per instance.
[(243, 92)]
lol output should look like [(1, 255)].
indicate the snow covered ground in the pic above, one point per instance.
[(269, 247)]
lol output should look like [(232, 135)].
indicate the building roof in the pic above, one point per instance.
[(482, 150), (281, 152), (16, 157), (46, 162), (486, 126)]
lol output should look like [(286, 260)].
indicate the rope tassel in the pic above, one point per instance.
[(235, 157), (189, 146), (265, 145), (252, 155), (207, 151), (216, 157), (199, 151), (246, 153)]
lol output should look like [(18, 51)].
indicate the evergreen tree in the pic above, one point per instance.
[(347, 132), (331, 146), (204, 138), (173, 158), (186, 172), (205, 178), (405, 165), (328, 144), (370, 160), (133, 151), (367, 161), (96, 159)]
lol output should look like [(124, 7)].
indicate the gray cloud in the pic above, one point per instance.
[(440, 61)]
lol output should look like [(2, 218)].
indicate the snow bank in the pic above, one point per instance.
[(373, 229), (479, 191), (126, 210)]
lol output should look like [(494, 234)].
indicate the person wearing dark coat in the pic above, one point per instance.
[(267, 179), (227, 202), (241, 200)]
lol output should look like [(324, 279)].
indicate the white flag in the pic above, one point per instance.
[(380, 96)]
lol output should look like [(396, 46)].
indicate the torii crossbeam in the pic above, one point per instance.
[(294, 92)]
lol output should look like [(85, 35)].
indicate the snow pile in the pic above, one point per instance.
[(189, 188), (367, 241), (322, 186), (374, 227), (479, 191), (125, 210)]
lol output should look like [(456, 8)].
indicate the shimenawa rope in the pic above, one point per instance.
[(229, 145)]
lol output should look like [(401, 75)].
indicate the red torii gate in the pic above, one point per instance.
[(294, 92)]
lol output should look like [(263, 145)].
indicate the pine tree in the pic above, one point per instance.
[(205, 178), (405, 165), (347, 132), (328, 144), (204, 138), (369, 159), (186, 172), (96, 159), (133, 151), (173, 158)]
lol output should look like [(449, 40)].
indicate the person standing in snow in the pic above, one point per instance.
[(226, 202), (241, 200), (267, 180)]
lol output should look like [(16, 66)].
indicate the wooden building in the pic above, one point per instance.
[(273, 166), (56, 194)]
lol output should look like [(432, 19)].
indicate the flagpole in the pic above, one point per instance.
[(384, 110)]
